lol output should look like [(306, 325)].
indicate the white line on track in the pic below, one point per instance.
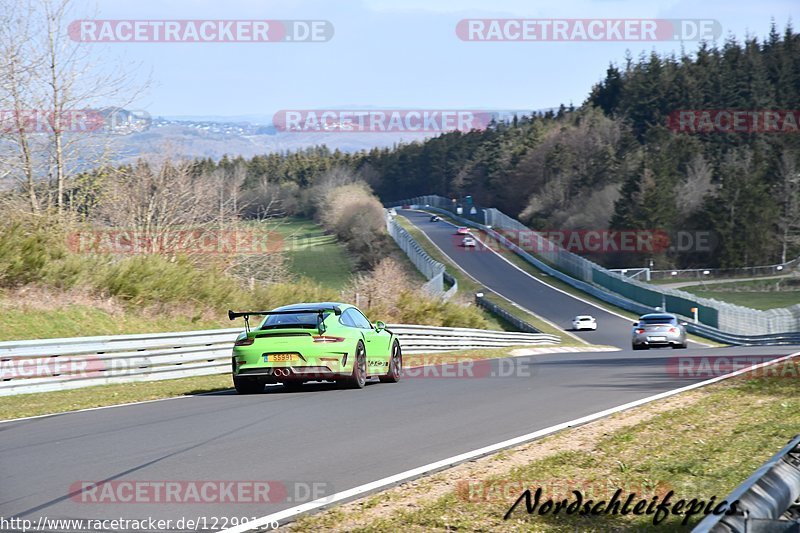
[(361, 490)]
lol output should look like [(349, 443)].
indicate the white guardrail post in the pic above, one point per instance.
[(44, 365)]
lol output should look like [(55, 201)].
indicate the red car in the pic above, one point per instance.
[(462, 230)]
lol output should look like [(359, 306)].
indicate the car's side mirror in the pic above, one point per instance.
[(635, 323), (379, 326)]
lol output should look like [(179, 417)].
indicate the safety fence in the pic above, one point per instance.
[(433, 270), (769, 500), (607, 285), (32, 366), (710, 274)]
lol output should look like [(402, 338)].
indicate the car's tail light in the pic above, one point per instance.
[(326, 339), (673, 330), (640, 330), (244, 342)]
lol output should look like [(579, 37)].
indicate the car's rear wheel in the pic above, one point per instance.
[(247, 385), (640, 347), (358, 378), (395, 365), (677, 346)]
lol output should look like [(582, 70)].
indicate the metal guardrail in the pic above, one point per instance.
[(31, 366), (433, 270), (422, 339), (621, 302), (769, 500), (496, 310), (453, 282)]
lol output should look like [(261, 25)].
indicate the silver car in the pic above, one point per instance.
[(658, 329)]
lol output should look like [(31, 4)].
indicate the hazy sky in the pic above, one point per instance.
[(390, 54)]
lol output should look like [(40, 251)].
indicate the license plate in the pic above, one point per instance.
[(279, 357), (656, 339)]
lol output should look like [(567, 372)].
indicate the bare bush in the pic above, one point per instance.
[(555, 174), (378, 292), (156, 202), (788, 189), (592, 210), (698, 184), (357, 217), (266, 268)]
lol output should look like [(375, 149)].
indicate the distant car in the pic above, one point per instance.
[(436, 218), (584, 322), (469, 242), (463, 230), (658, 329)]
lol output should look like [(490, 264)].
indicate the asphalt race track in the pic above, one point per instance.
[(334, 438), (495, 273)]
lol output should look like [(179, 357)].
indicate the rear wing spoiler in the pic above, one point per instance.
[(319, 311)]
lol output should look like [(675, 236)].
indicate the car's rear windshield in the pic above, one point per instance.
[(657, 320), (293, 320)]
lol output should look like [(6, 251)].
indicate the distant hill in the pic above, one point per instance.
[(205, 138)]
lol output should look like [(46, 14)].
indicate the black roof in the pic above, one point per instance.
[(311, 305)]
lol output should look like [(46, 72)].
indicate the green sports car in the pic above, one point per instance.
[(313, 342)]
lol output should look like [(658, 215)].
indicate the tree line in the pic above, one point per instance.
[(616, 161)]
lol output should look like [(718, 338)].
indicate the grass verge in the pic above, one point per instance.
[(699, 444), (763, 301), (80, 320), (755, 294), (314, 254)]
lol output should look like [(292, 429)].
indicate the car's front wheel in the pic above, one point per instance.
[(358, 378), (247, 385), (395, 365)]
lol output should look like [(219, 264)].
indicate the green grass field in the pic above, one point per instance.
[(313, 254), (84, 320), (756, 294)]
